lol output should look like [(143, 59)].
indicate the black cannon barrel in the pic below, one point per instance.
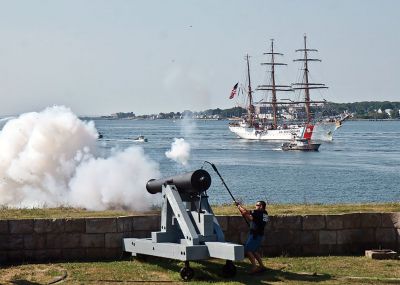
[(191, 182)]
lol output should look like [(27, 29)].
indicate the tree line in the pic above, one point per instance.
[(358, 110)]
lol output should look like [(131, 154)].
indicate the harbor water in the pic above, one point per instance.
[(361, 164)]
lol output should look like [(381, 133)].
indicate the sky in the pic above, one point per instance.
[(100, 57)]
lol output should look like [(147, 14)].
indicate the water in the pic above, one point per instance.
[(361, 164)]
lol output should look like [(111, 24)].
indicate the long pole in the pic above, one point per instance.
[(223, 182)]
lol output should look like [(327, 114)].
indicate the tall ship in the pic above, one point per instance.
[(257, 126)]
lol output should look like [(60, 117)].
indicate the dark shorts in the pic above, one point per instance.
[(253, 243)]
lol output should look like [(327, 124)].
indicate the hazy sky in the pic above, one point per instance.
[(99, 57)]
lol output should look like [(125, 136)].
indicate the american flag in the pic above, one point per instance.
[(233, 92)]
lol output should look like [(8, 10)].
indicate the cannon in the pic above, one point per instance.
[(189, 229)]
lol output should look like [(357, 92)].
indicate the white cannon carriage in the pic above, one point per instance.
[(189, 228)]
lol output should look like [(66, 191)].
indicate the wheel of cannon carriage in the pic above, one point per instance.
[(229, 269), (187, 273)]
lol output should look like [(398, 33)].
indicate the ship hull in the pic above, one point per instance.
[(254, 134), (301, 146)]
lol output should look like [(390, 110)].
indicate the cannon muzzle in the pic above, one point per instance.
[(191, 182)]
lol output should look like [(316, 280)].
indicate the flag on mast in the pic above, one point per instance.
[(233, 92)]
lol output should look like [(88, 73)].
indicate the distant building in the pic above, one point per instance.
[(388, 111)]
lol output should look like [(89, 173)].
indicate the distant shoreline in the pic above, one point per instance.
[(205, 119)]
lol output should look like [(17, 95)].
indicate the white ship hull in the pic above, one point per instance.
[(254, 134)]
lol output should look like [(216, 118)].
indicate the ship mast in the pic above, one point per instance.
[(306, 85), (273, 87), (250, 109)]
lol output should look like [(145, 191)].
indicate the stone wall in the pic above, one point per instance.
[(325, 234), (38, 240)]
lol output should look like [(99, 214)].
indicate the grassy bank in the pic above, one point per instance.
[(273, 209), (300, 270)]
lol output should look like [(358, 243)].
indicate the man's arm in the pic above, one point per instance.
[(244, 212)]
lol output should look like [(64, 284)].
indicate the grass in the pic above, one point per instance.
[(273, 209), (314, 209), (287, 270)]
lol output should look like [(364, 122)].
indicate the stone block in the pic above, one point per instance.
[(381, 254), (331, 249), (48, 226), (3, 257), (398, 239), (334, 222), (4, 242), (95, 253), (124, 224), (355, 236), (141, 234), (54, 240), (112, 253), (282, 238), (338, 249), (11, 242), (75, 225), (272, 250), (238, 238), (370, 220), (16, 241), (71, 240), (223, 221), (146, 223), (286, 222), (237, 224), (309, 237), (290, 250), (385, 235), (35, 241), (14, 256), (44, 255), (391, 220), (92, 240), (351, 221), (20, 226), (327, 237), (311, 249), (101, 225), (113, 240), (313, 222), (396, 220), (3, 227), (74, 254)]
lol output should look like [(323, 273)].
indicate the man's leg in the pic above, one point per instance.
[(259, 260), (251, 257)]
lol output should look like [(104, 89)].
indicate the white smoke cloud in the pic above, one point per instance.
[(49, 159), (179, 152), (116, 182)]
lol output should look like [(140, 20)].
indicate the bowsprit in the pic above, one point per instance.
[(189, 228)]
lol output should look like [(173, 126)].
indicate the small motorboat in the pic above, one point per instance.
[(140, 139), (300, 144)]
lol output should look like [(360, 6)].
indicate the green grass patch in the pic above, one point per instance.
[(287, 270), (315, 209), (273, 209)]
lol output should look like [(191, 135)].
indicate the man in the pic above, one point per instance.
[(258, 219)]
